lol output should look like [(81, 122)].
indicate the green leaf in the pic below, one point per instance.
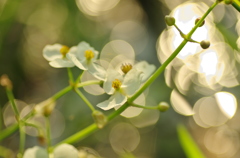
[(188, 144)]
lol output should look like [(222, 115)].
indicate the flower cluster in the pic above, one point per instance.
[(120, 85)]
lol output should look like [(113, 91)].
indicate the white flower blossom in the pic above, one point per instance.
[(120, 87), (84, 57), (56, 55)]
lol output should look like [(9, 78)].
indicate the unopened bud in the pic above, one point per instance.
[(196, 21), (163, 106), (99, 118), (204, 44), (169, 20), (5, 82), (41, 139), (228, 1)]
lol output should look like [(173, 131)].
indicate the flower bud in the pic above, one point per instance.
[(99, 118), (196, 21), (204, 44), (163, 106), (228, 1), (169, 20), (5, 82)]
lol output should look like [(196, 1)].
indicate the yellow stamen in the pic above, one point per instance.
[(116, 84), (125, 68), (64, 50), (89, 54)]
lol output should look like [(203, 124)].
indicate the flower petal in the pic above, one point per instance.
[(52, 52), (36, 152), (110, 77), (82, 47), (97, 71), (132, 81), (116, 99), (146, 68), (61, 63), (74, 59), (65, 151)]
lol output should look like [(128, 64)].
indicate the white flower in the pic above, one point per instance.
[(56, 54), (120, 87), (61, 151), (141, 66), (145, 68), (84, 57)]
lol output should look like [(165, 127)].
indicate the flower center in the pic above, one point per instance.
[(64, 50), (89, 54), (125, 68), (116, 84)]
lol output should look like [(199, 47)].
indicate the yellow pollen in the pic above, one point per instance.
[(89, 54), (64, 50), (116, 84), (125, 68)]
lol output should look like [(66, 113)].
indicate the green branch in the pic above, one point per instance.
[(93, 127)]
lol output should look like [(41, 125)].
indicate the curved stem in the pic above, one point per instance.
[(84, 99)]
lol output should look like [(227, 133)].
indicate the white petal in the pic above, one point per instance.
[(65, 151), (146, 68), (82, 47), (132, 82), (110, 77), (97, 71), (35, 152), (133, 111), (116, 99), (61, 63), (52, 52), (75, 60)]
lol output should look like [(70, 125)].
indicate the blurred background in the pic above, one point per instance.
[(200, 85)]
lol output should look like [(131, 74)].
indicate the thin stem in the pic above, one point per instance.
[(48, 131), (62, 92), (236, 5), (70, 75), (22, 138), (8, 131), (84, 99), (79, 77), (158, 71), (202, 19), (13, 104), (144, 107)]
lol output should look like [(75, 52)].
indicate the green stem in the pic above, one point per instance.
[(62, 92), (13, 104), (79, 77), (22, 139), (158, 71), (144, 107), (70, 75), (84, 99), (236, 5), (8, 131), (48, 131)]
